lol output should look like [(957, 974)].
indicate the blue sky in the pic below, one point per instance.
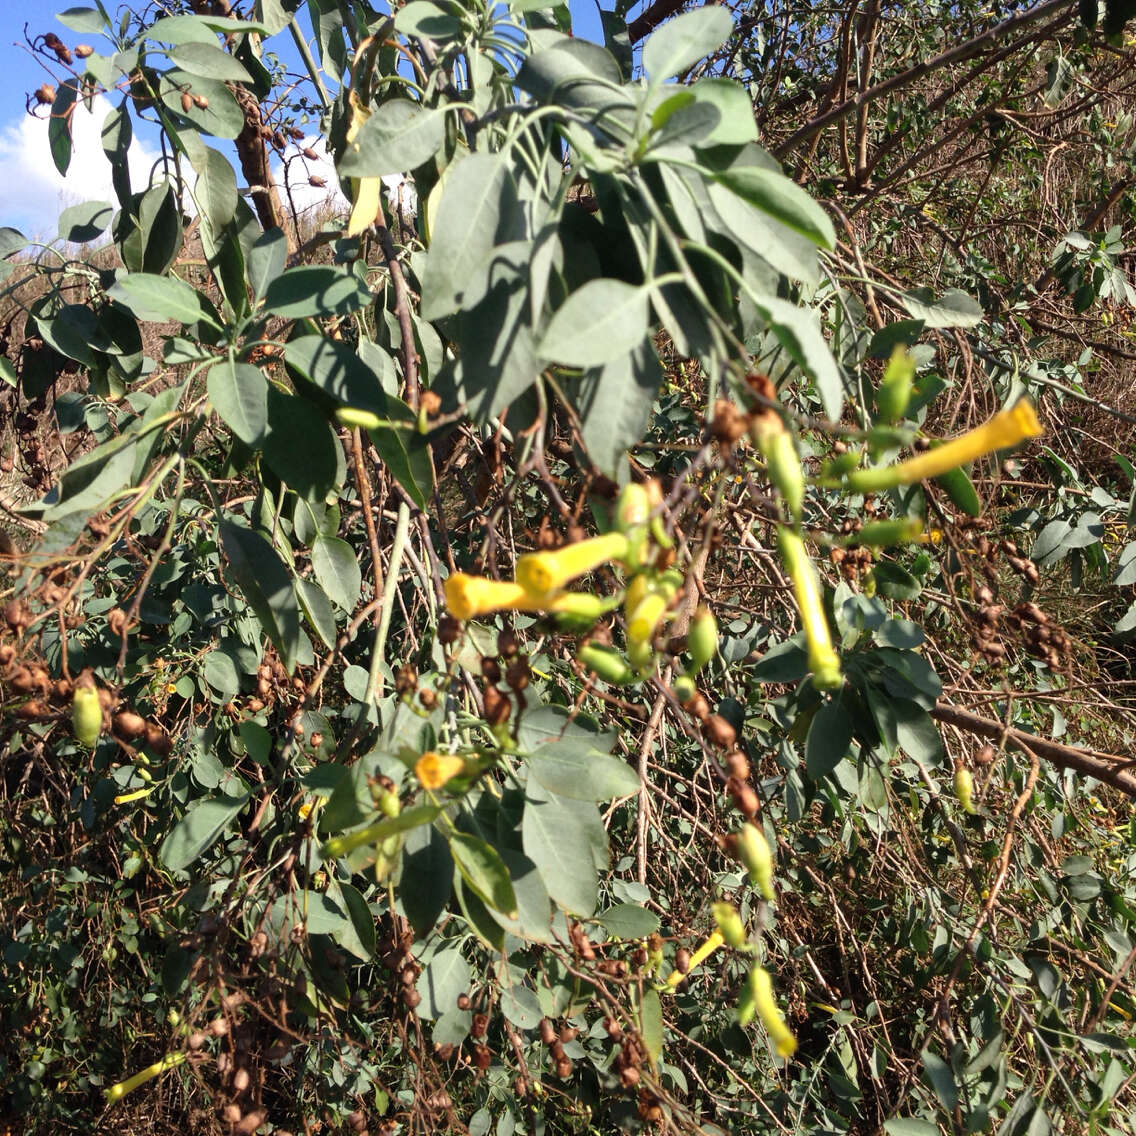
[(32, 194)]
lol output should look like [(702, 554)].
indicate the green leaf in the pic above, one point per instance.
[(782, 199), (339, 372), (11, 241), (210, 62), (59, 126), (680, 43), (736, 122), (266, 585), (942, 1079), (300, 447), (534, 907), (196, 832), (92, 479), (82, 223), (553, 726), (959, 488), (615, 403), (953, 309), (828, 741), (425, 19), (397, 138), (317, 609), (583, 777), (443, 979), (477, 210), (428, 872), (599, 322), (651, 1023), (521, 1006), (910, 1126), (360, 938), (482, 868), (564, 838), (266, 261), (798, 331), (407, 455), (629, 921), (216, 187), (315, 290), (159, 299), (337, 569), (87, 21), (239, 394)]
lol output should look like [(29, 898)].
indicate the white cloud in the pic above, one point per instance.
[(32, 191)]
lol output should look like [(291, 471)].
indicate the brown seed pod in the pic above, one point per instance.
[(719, 732), (251, 1122), (682, 960), (357, 1120), (196, 1040), (463, 1002), (449, 630), (116, 620), (201, 102), (507, 643), (629, 1077), (564, 1068), (985, 755), (547, 1031), (32, 711), (17, 616), (482, 1057), (428, 698), (21, 681), (129, 725), (186, 101), (612, 1028), (479, 1025), (411, 998), (157, 740), (556, 1049), (728, 423), (241, 1081), (737, 765), (490, 669), (568, 1033), (310, 154), (219, 1026), (697, 707), (231, 1113), (497, 706), (744, 797), (84, 50)]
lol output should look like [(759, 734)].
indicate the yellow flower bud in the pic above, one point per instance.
[(117, 1092), (1007, 428), (761, 991), (542, 572), (964, 789), (823, 659), (646, 616), (781, 459), (754, 852), (713, 942), (730, 924), (633, 507)]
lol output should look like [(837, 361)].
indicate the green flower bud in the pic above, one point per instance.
[(754, 852), (86, 715), (607, 663), (964, 790), (702, 638), (895, 387)]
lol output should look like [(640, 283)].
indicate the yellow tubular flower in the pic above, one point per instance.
[(645, 617), (1007, 428), (761, 989), (117, 1092), (715, 940), (823, 659), (433, 770), (467, 596), (544, 572), (782, 462)]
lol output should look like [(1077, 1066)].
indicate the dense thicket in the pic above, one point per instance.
[(511, 652)]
